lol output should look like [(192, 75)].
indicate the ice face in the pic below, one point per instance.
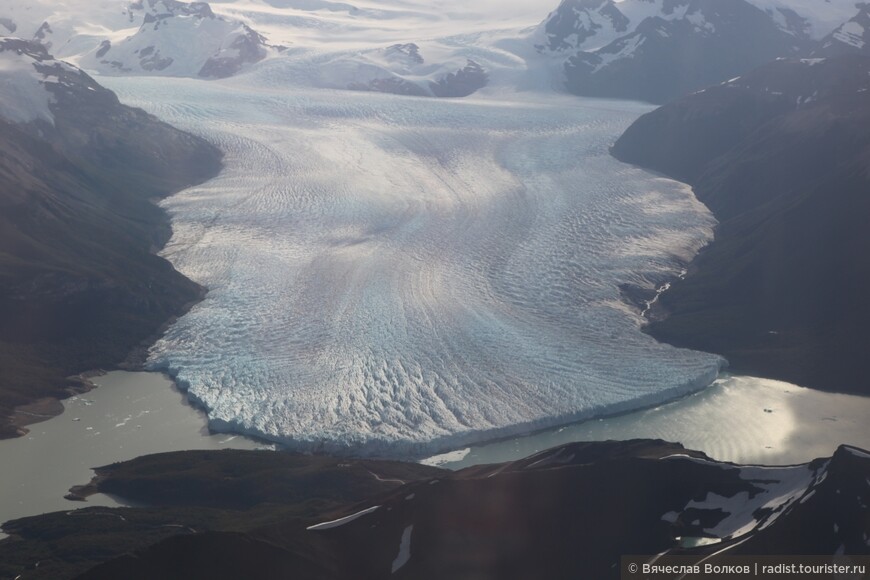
[(394, 275)]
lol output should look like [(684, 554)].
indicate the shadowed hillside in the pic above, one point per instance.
[(80, 285), (781, 156)]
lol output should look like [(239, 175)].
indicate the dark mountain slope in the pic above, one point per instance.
[(781, 156), (569, 512), (201, 493), (79, 284)]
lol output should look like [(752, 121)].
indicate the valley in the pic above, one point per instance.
[(373, 233)]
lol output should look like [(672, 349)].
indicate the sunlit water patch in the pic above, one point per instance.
[(396, 276), (739, 419)]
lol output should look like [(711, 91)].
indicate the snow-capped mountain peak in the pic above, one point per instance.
[(850, 37), (179, 39), (591, 24), (811, 18), (30, 80), (23, 97), (575, 22), (658, 49), (165, 37)]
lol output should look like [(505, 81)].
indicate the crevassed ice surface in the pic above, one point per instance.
[(395, 276)]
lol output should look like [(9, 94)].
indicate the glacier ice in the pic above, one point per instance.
[(396, 276)]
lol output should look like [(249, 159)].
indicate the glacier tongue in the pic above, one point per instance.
[(395, 276)]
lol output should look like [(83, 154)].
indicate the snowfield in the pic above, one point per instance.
[(23, 96), (396, 276)]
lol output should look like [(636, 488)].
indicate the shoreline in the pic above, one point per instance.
[(512, 432), (47, 408), (787, 416), (130, 415)]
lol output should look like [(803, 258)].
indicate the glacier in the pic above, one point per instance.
[(398, 276), (395, 276)]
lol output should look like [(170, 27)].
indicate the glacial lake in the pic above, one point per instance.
[(739, 419), (128, 415)]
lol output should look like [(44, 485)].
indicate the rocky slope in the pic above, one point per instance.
[(403, 69), (851, 37), (79, 284), (780, 156), (569, 512)]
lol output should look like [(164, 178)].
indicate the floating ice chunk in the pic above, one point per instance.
[(448, 457)]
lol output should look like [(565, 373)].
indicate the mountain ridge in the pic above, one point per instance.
[(80, 285), (779, 155), (657, 50)]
